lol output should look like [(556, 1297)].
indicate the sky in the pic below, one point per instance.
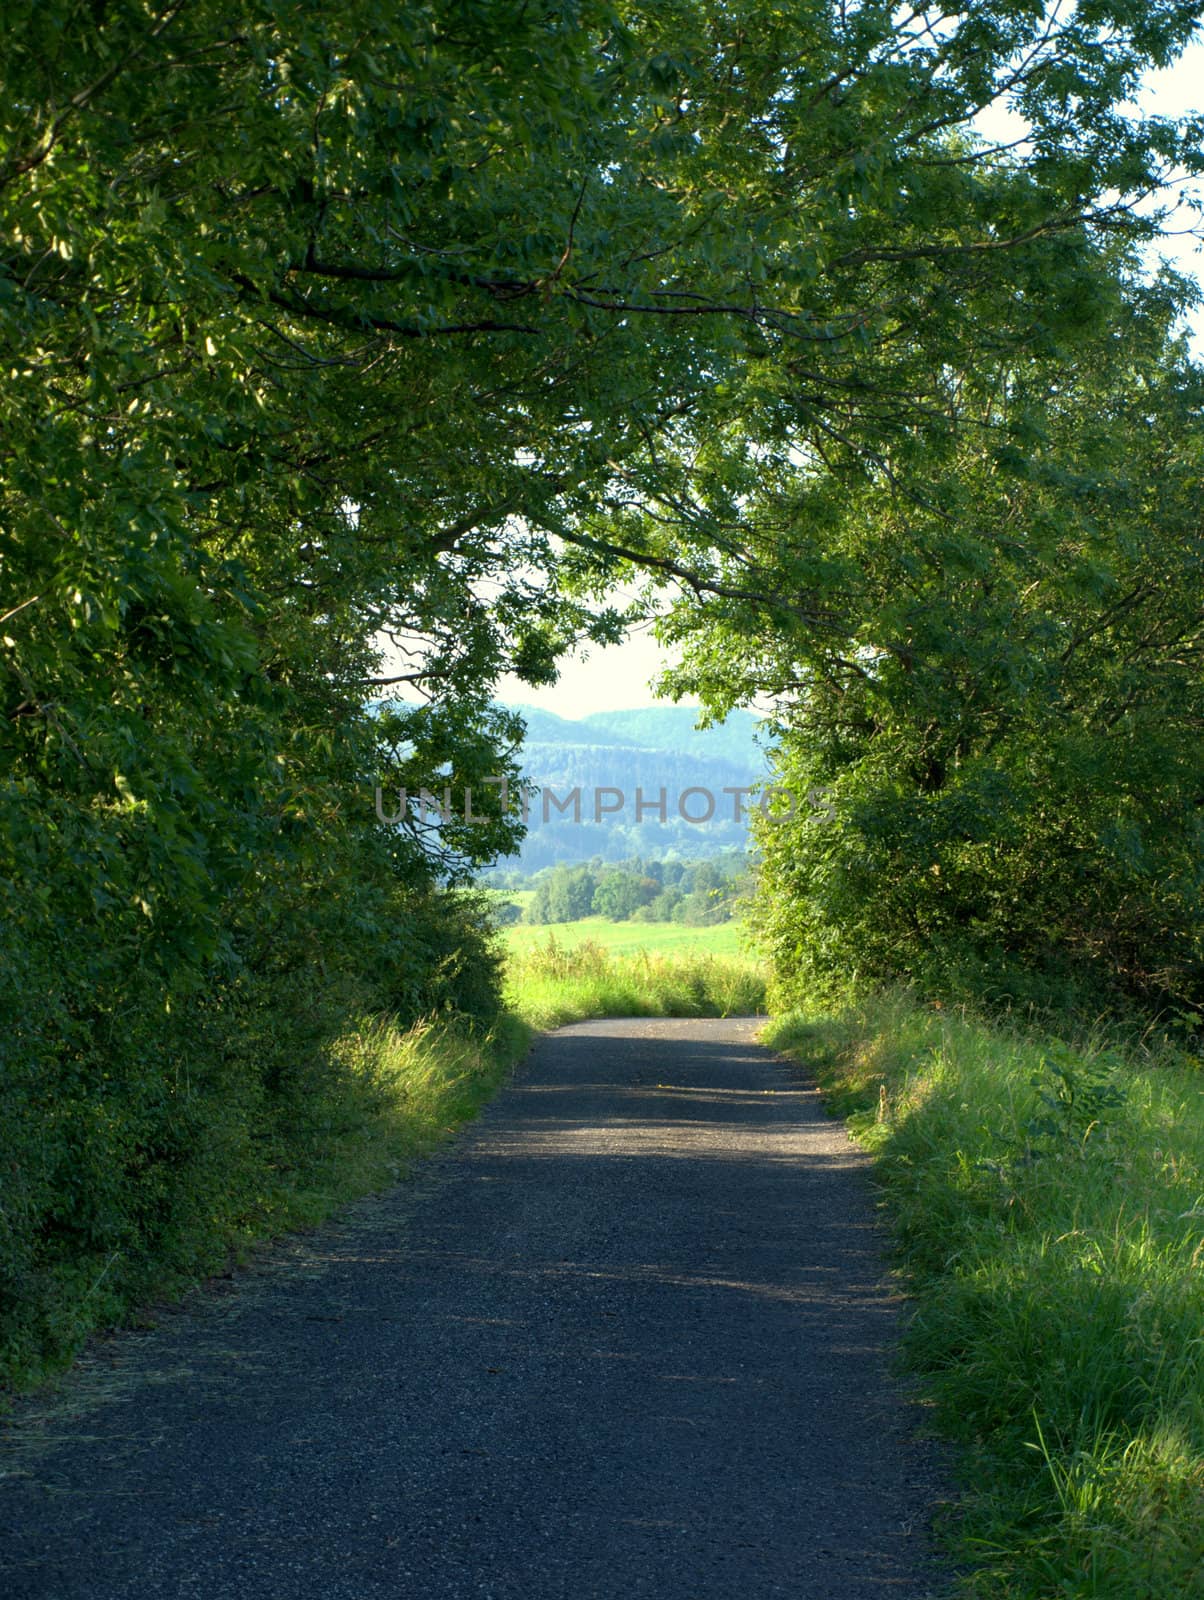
[(618, 677), (611, 678)]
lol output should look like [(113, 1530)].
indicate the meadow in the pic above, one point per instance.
[(573, 970), (728, 939)]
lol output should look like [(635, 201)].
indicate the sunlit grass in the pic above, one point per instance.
[(721, 939), (557, 982), (402, 1092), (1055, 1244)]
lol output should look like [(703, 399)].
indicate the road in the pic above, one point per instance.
[(629, 1335)]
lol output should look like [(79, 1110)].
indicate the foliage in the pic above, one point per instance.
[(349, 347), (564, 895), (286, 358), (1057, 1302), (1075, 1099), (258, 1114), (1007, 736), (697, 893), (619, 894)]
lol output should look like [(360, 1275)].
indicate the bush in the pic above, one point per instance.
[(142, 1141)]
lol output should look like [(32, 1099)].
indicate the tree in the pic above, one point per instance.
[(619, 894), (1007, 725), (566, 894), (354, 346)]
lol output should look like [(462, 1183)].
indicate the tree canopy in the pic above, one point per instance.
[(358, 346)]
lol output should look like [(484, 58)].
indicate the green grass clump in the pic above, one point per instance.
[(1049, 1206), (403, 1090), (554, 983)]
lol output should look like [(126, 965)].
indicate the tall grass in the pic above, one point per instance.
[(1048, 1200), (402, 1091), (554, 983)]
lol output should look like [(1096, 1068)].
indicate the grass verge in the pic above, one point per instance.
[(403, 1092), (1048, 1201), (554, 983)]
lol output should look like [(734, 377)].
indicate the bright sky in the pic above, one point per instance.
[(618, 677), (611, 678)]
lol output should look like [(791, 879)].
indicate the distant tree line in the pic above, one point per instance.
[(697, 893)]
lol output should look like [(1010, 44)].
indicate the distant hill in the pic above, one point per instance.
[(672, 728), (646, 749), (649, 728)]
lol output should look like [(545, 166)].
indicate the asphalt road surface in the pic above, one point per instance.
[(630, 1335)]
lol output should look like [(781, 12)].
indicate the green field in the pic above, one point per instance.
[(518, 897), (568, 971), (626, 938)]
